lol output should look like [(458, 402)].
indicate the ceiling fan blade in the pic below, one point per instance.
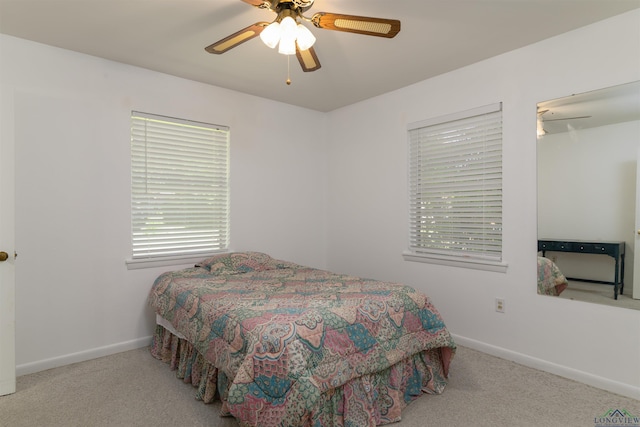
[(229, 42), (357, 24), (308, 59), (566, 118)]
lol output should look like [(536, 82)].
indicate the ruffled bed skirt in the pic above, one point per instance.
[(370, 400)]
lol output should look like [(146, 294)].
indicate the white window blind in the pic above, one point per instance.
[(455, 186), (179, 187)]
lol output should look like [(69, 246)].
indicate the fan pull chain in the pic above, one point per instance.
[(288, 70)]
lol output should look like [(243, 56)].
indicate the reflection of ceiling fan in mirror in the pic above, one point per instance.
[(542, 120), (293, 37)]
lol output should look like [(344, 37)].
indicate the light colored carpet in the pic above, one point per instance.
[(599, 294), (134, 389)]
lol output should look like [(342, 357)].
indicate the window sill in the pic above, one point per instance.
[(135, 264), (473, 263)]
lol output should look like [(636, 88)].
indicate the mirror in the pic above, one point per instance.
[(588, 152)]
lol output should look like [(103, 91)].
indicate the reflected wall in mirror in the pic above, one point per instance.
[(589, 195)]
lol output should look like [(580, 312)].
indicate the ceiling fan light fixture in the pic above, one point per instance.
[(271, 35), (305, 37), (285, 33)]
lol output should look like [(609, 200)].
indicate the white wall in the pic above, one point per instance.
[(75, 298), (368, 205), (587, 191)]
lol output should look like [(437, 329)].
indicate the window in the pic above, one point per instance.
[(455, 189), (179, 187)]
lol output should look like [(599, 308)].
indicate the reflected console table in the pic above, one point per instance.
[(613, 249)]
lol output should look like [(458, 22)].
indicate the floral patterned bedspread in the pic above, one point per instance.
[(285, 336), (551, 281)]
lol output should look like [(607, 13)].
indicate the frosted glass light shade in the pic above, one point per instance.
[(305, 38), (271, 35), (287, 46), (288, 34), (289, 28)]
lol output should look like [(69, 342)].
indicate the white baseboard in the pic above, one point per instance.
[(623, 389), (68, 359), (532, 362)]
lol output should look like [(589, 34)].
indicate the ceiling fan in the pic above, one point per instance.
[(542, 120), (293, 37)]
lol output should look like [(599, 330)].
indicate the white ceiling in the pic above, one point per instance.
[(169, 36)]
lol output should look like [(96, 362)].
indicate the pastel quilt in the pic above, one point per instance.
[(551, 281)]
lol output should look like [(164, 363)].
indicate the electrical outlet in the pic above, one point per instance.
[(499, 305)]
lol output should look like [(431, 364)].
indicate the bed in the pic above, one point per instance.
[(551, 281), (282, 344)]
